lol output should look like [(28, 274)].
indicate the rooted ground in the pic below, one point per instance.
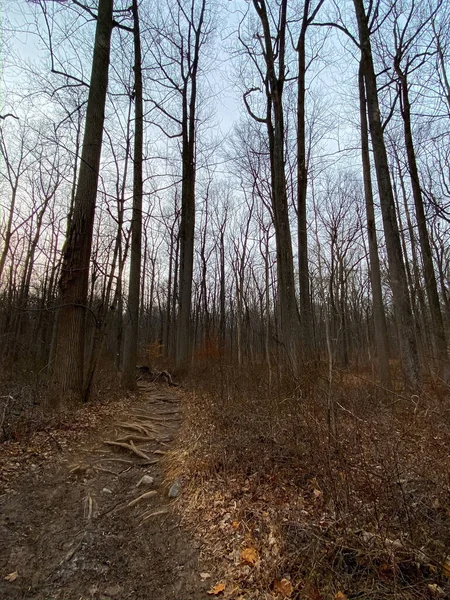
[(266, 502), (78, 521)]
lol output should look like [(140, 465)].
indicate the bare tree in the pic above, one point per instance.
[(180, 32), (130, 354), (309, 14), (68, 367), (14, 168), (402, 304), (406, 59), (273, 77)]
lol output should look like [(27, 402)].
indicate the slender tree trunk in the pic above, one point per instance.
[(167, 321), (186, 237), (402, 304), (131, 341), (73, 284), (267, 311), (222, 321), (437, 328), (276, 134), (379, 317), (418, 304), (7, 239), (302, 184), (238, 317), (173, 336), (187, 224)]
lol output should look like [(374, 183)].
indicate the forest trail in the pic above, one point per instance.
[(92, 525)]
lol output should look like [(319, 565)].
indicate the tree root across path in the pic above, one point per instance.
[(95, 522)]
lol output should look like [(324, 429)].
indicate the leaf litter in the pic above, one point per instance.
[(273, 524)]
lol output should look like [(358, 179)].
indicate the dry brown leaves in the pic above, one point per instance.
[(33, 449), (276, 532)]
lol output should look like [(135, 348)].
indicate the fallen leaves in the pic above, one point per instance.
[(311, 592), (283, 587), (12, 576), (249, 556), (282, 508), (217, 589)]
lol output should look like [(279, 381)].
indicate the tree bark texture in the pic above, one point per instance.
[(400, 292), (68, 366), (132, 333), (276, 134), (437, 323), (379, 317)]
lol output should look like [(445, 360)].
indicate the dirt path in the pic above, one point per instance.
[(82, 528)]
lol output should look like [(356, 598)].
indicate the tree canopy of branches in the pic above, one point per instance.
[(310, 227)]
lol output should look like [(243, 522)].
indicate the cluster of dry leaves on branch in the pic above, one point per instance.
[(283, 509)]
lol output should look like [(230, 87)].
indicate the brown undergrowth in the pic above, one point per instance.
[(31, 433), (29, 406), (284, 508)]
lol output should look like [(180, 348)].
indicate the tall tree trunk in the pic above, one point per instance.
[(276, 134), (397, 274), (379, 317), (7, 239), (167, 320), (131, 340), (186, 263), (412, 269), (222, 319), (70, 335), (302, 185), (437, 329), (187, 223)]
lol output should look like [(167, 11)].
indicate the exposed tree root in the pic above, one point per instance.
[(142, 497), (154, 513), (162, 419), (147, 374), (88, 507), (132, 448), (139, 427), (115, 459), (102, 470), (136, 438)]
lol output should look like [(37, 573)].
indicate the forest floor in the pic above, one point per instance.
[(287, 506), (82, 517), (232, 488)]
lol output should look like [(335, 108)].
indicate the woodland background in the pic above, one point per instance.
[(255, 196), (267, 243)]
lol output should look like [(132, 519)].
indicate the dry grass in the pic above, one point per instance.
[(363, 514)]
